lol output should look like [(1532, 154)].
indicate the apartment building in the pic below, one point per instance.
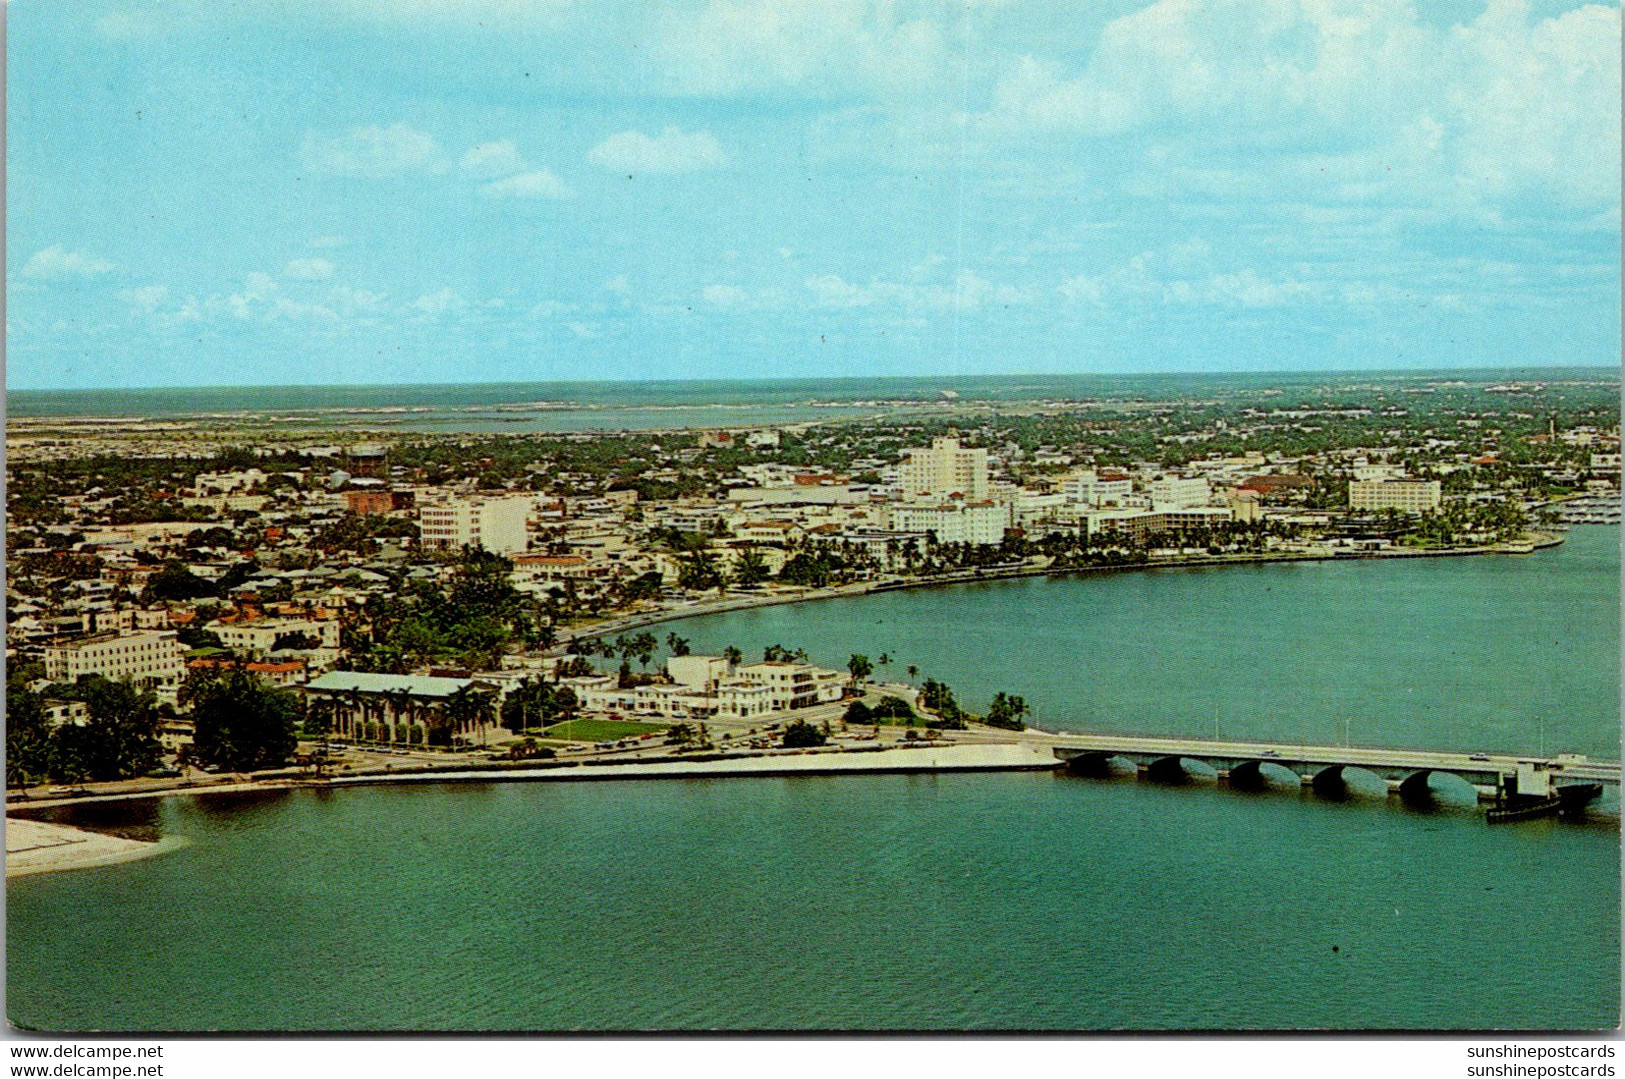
[(1406, 496), (1092, 488), (945, 469), (1178, 492), (148, 658), (498, 524), (953, 521), (259, 637)]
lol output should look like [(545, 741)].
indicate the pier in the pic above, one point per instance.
[(1567, 781)]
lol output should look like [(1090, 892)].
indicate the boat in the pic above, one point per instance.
[(1533, 810)]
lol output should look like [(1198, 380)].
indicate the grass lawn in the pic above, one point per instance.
[(600, 730)]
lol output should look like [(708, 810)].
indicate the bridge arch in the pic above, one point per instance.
[(1100, 765), (1258, 775), (1430, 787), (1179, 770), (1340, 782)]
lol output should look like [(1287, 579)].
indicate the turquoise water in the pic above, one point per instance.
[(178, 401), (1437, 653), (994, 901)]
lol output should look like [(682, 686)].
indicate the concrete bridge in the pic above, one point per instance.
[(1407, 773)]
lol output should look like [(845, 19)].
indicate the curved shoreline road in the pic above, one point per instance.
[(737, 602)]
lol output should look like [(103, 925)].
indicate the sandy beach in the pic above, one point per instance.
[(38, 847)]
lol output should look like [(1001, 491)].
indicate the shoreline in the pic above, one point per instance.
[(34, 847), (1538, 541)]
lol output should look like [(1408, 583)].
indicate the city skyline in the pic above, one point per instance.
[(496, 192)]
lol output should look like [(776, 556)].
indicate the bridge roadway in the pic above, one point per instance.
[(1316, 764)]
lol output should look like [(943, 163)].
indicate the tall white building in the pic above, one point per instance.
[(954, 521), (1091, 488), (1406, 496), (947, 468), (144, 658), (1178, 492), (498, 524)]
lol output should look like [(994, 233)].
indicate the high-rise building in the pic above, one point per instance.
[(498, 524), (946, 469)]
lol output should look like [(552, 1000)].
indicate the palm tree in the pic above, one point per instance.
[(913, 672), (733, 655)]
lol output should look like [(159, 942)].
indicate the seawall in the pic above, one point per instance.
[(994, 757)]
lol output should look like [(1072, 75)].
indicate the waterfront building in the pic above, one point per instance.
[(399, 707), (793, 685), (1179, 492), (953, 521), (889, 549), (147, 658), (1406, 496), (1138, 525), (943, 470), (498, 524), (1104, 488), (705, 686)]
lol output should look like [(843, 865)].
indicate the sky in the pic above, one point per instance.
[(210, 192)]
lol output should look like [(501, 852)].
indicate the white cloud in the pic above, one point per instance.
[(1339, 103), (549, 309), (435, 304), (725, 295), (829, 48), (312, 269), (373, 153), (536, 184), (670, 152), (491, 160), (146, 298), (967, 292), (56, 263)]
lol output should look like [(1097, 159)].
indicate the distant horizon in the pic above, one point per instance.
[(1373, 372)]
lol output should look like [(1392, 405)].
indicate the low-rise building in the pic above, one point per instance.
[(401, 707), (1406, 496), (261, 637)]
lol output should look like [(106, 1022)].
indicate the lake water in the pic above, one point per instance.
[(991, 901)]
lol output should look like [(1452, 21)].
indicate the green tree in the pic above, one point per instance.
[(175, 582), (799, 734), (857, 712), (28, 737), (1006, 712), (751, 568), (242, 724), (859, 667), (123, 727)]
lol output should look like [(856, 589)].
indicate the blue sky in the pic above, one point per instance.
[(353, 191)]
